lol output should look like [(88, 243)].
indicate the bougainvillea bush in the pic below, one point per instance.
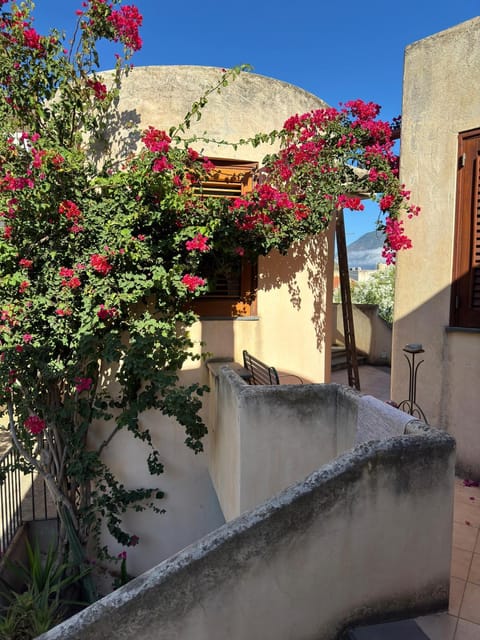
[(99, 257)]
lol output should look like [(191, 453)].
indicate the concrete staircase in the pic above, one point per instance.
[(339, 357)]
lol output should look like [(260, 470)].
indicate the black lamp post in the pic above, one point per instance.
[(410, 406)]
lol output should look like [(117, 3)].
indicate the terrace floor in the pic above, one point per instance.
[(462, 621)]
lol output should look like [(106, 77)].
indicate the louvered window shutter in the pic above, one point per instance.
[(466, 272), (230, 293)]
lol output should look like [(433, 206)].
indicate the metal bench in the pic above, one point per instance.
[(260, 373)]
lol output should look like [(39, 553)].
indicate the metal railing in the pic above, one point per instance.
[(10, 499), (23, 498)]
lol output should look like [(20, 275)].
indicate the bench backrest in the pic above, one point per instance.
[(261, 373)]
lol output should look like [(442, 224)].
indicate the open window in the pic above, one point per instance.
[(465, 304), (232, 287)]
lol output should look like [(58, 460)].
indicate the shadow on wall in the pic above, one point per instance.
[(118, 133), (306, 273), (373, 336), (447, 380)]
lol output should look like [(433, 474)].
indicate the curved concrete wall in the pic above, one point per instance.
[(161, 96), (365, 537)]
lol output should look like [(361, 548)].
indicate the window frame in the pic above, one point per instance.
[(231, 178), (465, 290)]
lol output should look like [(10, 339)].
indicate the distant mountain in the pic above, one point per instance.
[(366, 251)]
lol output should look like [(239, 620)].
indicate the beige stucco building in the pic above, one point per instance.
[(437, 281), (287, 326)]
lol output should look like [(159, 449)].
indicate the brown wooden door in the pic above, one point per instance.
[(465, 310)]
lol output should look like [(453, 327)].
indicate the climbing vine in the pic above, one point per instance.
[(100, 256)]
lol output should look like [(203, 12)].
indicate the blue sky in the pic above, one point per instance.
[(336, 50)]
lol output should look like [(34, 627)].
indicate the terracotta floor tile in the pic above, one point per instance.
[(468, 495), (438, 626), (470, 608), (474, 574), (457, 588), (464, 536), (461, 561), (467, 631), (464, 512)]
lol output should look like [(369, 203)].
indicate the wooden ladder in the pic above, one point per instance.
[(346, 297)]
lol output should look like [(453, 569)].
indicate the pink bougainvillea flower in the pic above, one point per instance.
[(126, 21), (161, 164), (83, 384), (72, 283), (198, 243), (27, 337), (155, 140), (69, 209), (65, 272), (208, 165), (34, 424), (105, 313), (23, 286), (98, 88), (134, 540), (122, 555), (63, 312), (100, 264), (32, 39), (396, 240), (349, 202), (192, 282), (386, 202), (58, 160), (301, 212), (25, 263)]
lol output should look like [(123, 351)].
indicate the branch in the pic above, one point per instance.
[(57, 495)]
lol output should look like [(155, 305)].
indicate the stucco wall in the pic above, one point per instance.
[(373, 336), (161, 96), (439, 102), (292, 296), (265, 438), (293, 326), (294, 291), (364, 537)]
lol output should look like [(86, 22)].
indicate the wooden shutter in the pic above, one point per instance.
[(229, 179), (232, 293), (466, 268)]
